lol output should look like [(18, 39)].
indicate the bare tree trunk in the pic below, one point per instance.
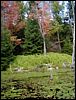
[(44, 44), (43, 36), (42, 31), (73, 54), (59, 41)]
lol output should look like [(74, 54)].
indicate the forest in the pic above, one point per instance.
[(38, 49)]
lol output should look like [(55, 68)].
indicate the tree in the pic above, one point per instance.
[(13, 19), (57, 28), (33, 39), (6, 46), (71, 11), (67, 46), (23, 9), (73, 54), (41, 15), (10, 13), (56, 8), (6, 49), (43, 20)]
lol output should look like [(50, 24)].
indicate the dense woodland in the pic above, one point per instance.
[(22, 36), (37, 28)]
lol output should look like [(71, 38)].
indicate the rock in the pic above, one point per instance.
[(64, 65), (12, 88), (51, 78), (48, 65), (57, 68), (15, 69), (18, 69), (50, 69)]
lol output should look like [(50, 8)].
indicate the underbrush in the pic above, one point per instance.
[(38, 85)]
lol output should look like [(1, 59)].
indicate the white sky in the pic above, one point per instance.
[(24, 2)]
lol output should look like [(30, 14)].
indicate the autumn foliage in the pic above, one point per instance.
[(19, 26), (10, 12), (41, 15)]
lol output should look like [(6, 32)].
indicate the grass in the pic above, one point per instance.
[(32, 61), (37, 83)]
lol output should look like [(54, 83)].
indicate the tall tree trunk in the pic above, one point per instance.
[(43, 36), (73, 54), (59, 41), (44, 44), (42, 31)]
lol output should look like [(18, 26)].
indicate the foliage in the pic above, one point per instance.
[(6, 49), (38, 85), (40, 13), (33, 40), (31, 61), (67, 39), (56, 27), (17, 23), (69, 7), (23, 9), (63, 29), (56, 8), (67, 46), (10, 12), (66, 32)]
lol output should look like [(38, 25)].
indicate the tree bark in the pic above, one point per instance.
[(73, 53), (44, 44), (43, 36), (42, 31)]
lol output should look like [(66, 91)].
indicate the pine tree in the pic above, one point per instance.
[(6, 49), (33, 39)]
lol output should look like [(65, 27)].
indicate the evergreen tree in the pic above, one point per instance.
[(6, 49), (33, 39)]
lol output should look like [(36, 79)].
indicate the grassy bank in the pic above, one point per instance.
[(32, 61)]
